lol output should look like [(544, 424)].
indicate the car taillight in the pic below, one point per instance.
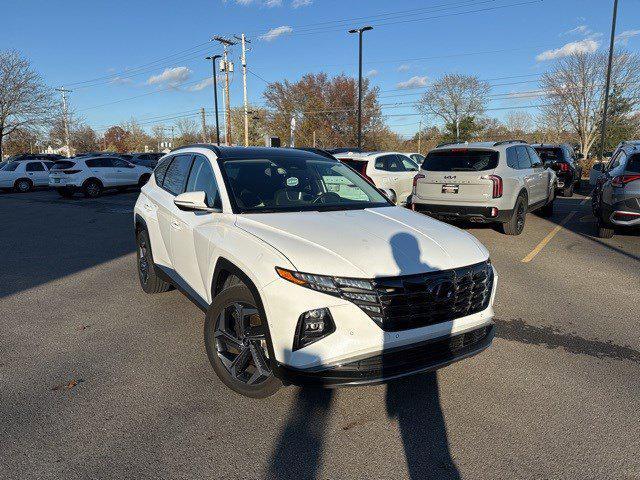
[(71, 172), (416, 178), (621, 180), (497, 185), (564, 167)]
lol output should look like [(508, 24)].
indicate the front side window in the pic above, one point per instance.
[(176, 176), (297, 184), (119, 163), (202, 179), (524, 161), (407, 163), (533, 156), (460, 160), (161, 170), (34, 167)]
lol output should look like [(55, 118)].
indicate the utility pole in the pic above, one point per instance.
[(244, 41), (65, 113), (172, 136), (359, 31), (215, 94), (204, 126), (228, 67), (420, 137), (603, 130), (314, 139)]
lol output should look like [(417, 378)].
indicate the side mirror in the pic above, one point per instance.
[(194, 202), (389, 194)]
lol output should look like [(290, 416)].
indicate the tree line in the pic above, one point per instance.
[(454, 107)]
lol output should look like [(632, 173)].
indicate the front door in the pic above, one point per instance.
[(189, 237), (38, 174)]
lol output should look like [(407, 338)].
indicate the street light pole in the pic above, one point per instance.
[(612, 42), (215, 94), (359, 31)]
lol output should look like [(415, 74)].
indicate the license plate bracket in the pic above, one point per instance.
[(450, 188)]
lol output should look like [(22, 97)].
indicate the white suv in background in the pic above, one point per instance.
[(303, 282), (389, 170), (485, 182), (91, 175), (23, 176)]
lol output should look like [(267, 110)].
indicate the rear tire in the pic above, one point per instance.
[(23, 185), (92, 189), (516, 223), (605, 230), (143, 180), (236, 343), (547, 210), (149, 280)]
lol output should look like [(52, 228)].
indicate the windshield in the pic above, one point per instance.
[(460, 160), (297, 184)]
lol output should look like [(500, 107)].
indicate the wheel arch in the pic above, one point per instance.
[(139, 223), (15, 183), (95, 179)]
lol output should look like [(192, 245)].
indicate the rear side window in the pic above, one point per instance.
[(524, 161), (99, 163), (550, 154), (11, 167), (34, 167), (63, 165), (202, 179), (633, 165), (462, 160), (176, 177)]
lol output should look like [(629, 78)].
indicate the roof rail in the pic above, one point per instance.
[(210, 146), (504, 142), (444, 144)]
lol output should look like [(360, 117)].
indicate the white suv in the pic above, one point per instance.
[(304, 281), (389, 170), (485, 182), (92, 175), (23, 176)]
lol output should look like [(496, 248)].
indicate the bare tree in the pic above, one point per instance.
[(24, 99), (575, 86), (455, 98), (188, 131)]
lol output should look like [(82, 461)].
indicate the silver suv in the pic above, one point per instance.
[(485, 182), (616, 198)]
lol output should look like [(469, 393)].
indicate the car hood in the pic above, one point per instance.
[(387, 241)]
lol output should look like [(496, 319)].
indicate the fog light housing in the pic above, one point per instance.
[(313, 326)]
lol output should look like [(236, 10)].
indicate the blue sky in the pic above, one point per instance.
[(110, 51)]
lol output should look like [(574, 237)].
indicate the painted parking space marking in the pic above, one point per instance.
[(538, 248)]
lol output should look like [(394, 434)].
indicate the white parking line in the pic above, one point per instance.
[(548, 238)]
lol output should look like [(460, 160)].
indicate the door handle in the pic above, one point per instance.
[(148, 208), (175, 225)]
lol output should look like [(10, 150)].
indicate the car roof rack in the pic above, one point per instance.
[(505, 142)]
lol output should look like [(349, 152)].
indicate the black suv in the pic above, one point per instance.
[(564, 161)]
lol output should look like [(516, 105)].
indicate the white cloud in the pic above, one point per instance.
[(121, 81), (413, 82), (372, 73), (404, 67), (171, 77), (529, 94), (207, 82), (581, 46), (276, 32), (579, 30), (301, 3), (624, 37), (273, 3)]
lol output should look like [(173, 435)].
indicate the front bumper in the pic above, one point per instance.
[(463, 212), (395, 362)]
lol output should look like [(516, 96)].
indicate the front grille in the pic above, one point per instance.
[(419, 356), (415, 301)]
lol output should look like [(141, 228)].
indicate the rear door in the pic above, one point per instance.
[(542, 176), (458, 175), (527, 174), (38, 174), (124, 172), (102, 168)]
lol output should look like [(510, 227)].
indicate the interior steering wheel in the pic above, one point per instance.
[(327, 196)]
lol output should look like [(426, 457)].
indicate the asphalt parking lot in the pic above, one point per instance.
[(99, 380)]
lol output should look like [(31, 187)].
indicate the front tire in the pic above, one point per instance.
[(149, 279), (235, 337), (605, 230), (516, 223)]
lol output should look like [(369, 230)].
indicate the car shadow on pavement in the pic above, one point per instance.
[(412, 402)]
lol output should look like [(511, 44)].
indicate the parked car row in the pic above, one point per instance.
[(90, 172)]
